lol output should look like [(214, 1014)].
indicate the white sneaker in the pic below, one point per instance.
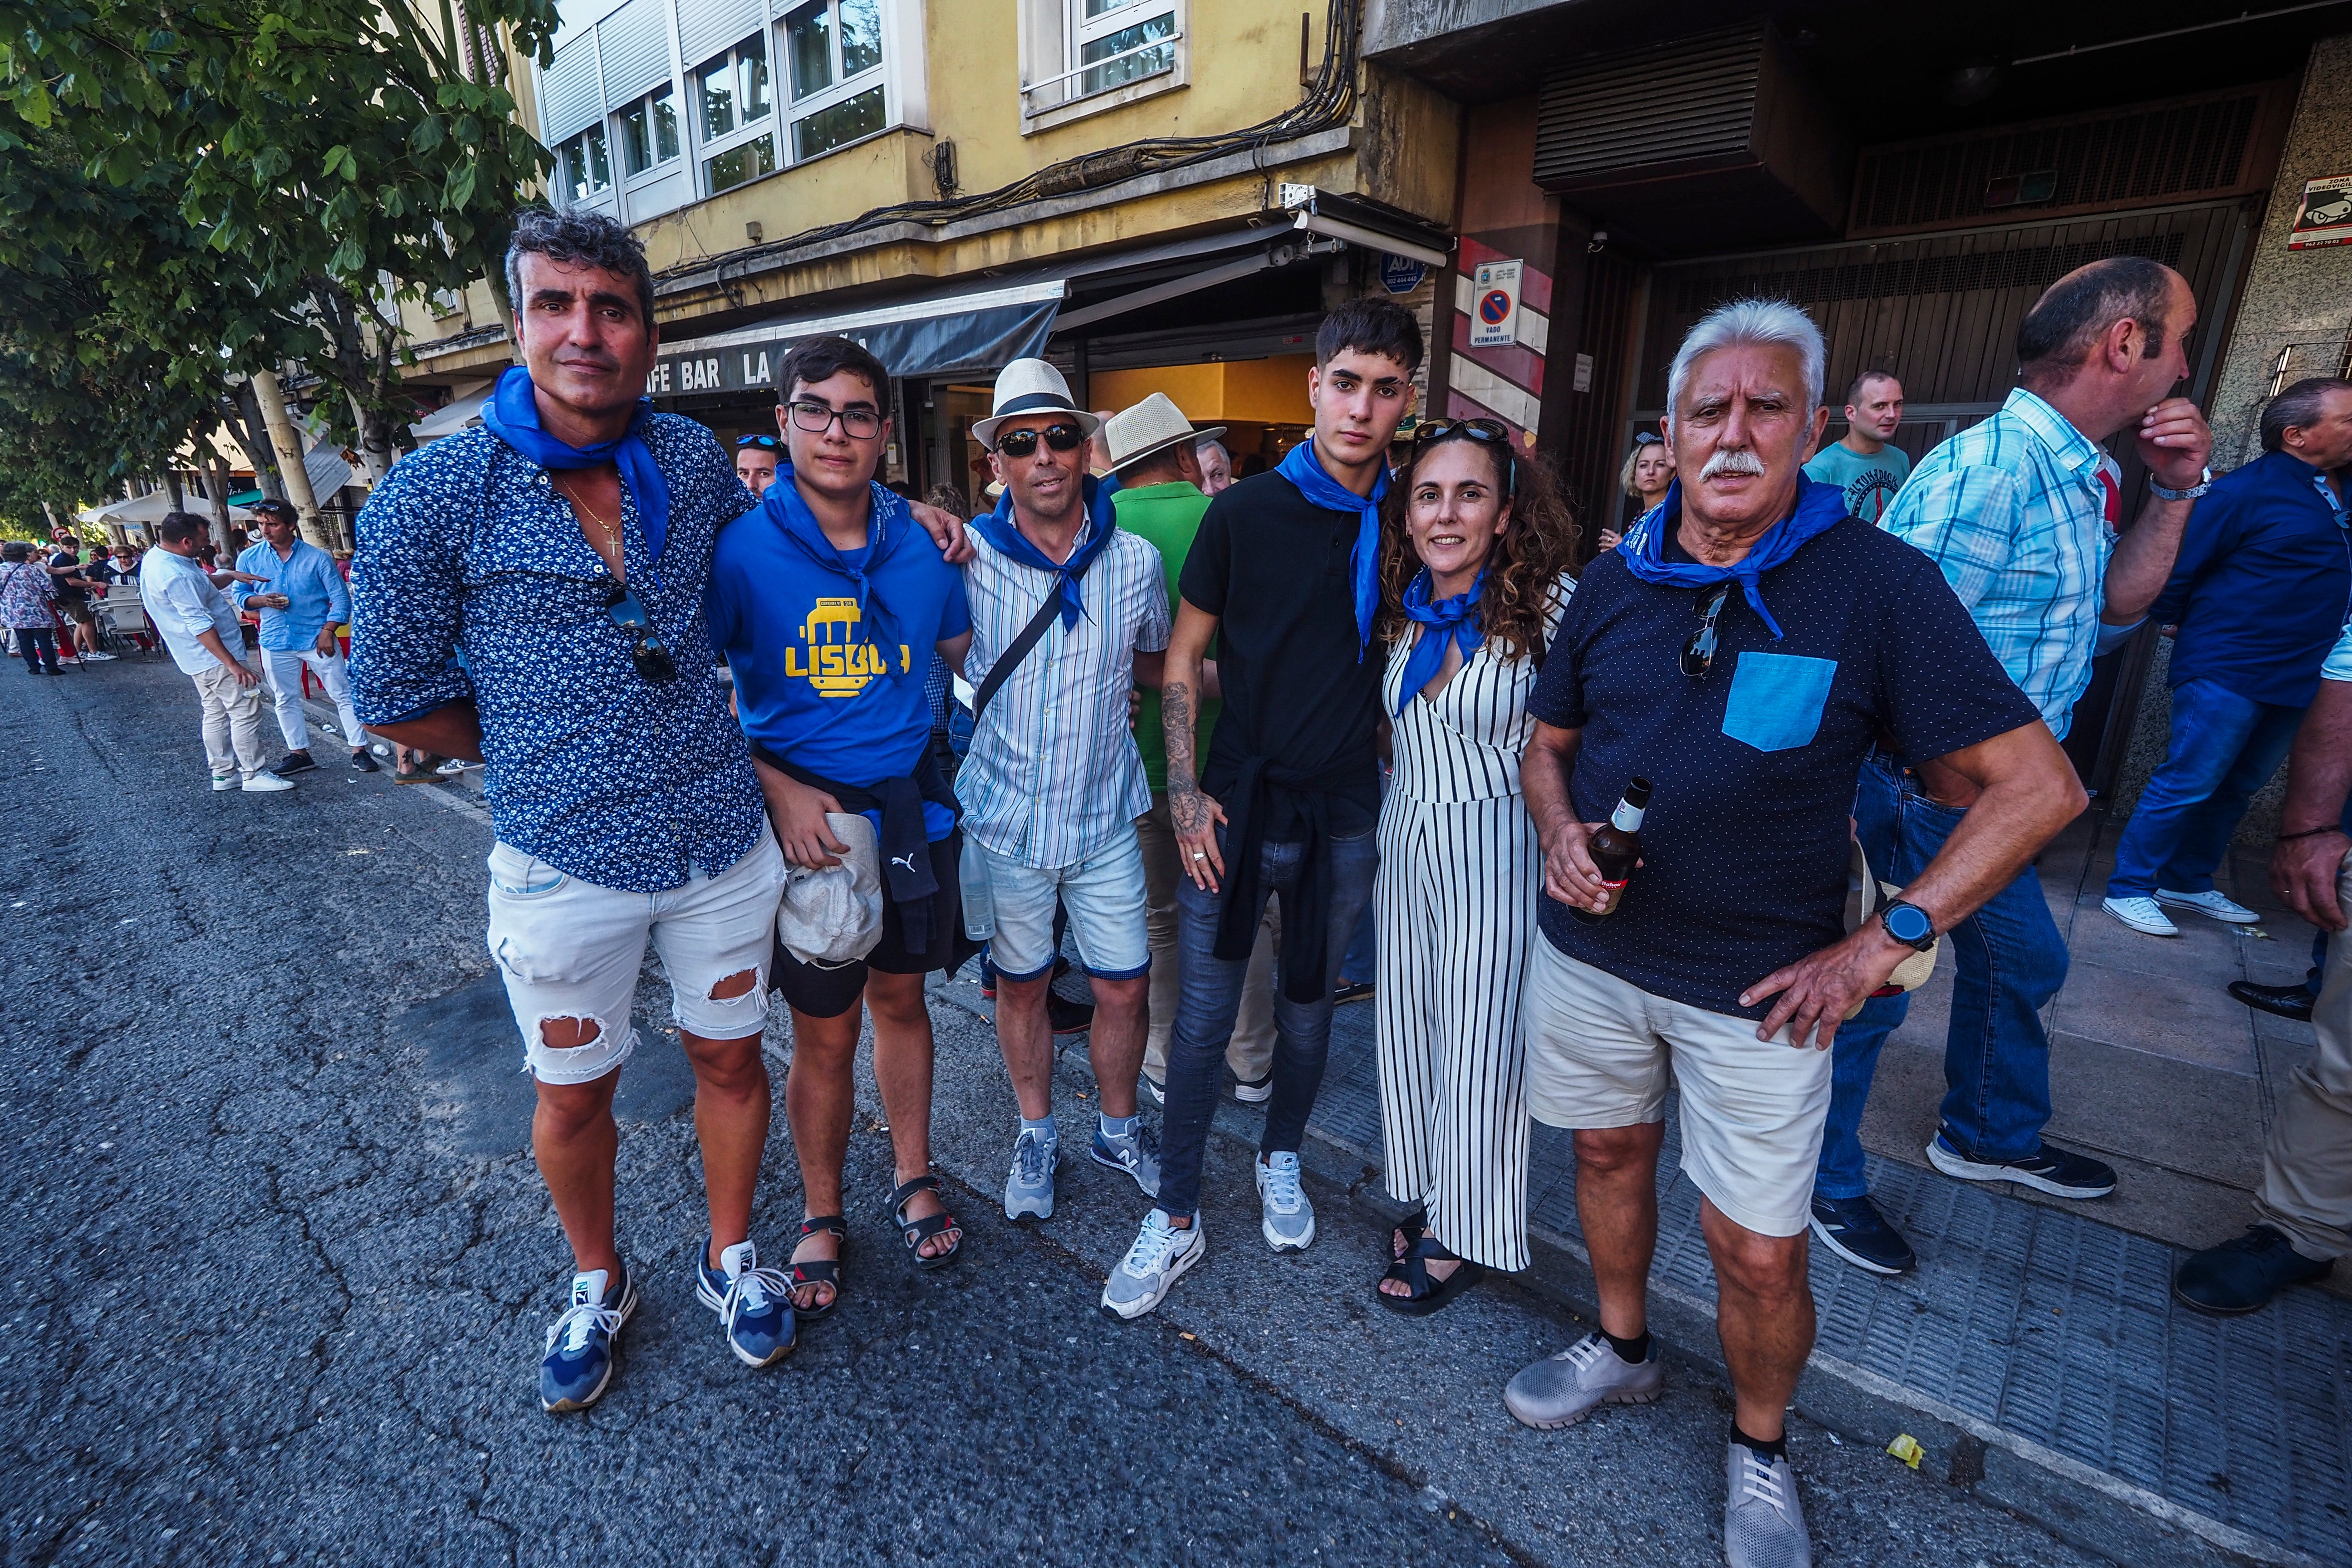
[(223, 782), (1254, 1090), (100, 658), (2211, 905), (2142, 915), (265, 784), (1288, 1219), (1161, 1254)]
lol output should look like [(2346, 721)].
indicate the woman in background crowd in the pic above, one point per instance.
[(1649, 470)]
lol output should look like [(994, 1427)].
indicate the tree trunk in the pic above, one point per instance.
[(375, 443), (242, 417), (288, 448), (216, 483), (179, 497)]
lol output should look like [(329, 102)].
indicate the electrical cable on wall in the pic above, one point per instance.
[(1330, 103)]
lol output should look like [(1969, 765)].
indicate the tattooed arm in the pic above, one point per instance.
[(1195, 816)]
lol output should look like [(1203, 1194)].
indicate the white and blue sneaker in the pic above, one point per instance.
[(1029, 1189), (1136, 1153), (754, 1304), (1287, 1217), (581, 1342), (1161, 1254)]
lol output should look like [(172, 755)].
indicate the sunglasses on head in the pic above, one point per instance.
[(1485, 432), (765, 443), (1648, 438), (1061, 435), (647, 649)]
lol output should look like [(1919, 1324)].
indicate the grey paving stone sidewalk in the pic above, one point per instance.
[(2054, 1321)]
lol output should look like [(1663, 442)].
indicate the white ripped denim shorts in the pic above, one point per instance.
[(569, 949)]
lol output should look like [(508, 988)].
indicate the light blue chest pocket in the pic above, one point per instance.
[(1777, 698)]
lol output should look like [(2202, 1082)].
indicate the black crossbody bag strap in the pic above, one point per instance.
[(1031, 635)]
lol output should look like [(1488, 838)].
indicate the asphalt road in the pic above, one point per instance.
[(278, 1266)]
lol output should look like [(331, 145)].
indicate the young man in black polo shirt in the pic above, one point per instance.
[(1742, 654), (1284, 573)]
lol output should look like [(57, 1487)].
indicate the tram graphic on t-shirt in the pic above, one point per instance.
[(834, 657), (1869, 483)]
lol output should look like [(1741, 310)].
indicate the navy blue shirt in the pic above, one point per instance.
[(591, 768), (2263, 584), (813, 682), (1753, 765)]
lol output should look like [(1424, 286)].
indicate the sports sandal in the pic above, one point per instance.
[(1405, 1231), (915, 1232), (819, 1270), (1428, 1295)]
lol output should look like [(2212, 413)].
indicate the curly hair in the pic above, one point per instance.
[(1538, 544)]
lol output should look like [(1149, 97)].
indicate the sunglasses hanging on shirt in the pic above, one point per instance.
[(1699, 653), (647, 649)]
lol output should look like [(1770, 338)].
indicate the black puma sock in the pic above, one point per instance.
[(1778, 1448), (1632, 1352)]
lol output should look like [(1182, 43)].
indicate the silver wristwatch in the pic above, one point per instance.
[(2204, 483)]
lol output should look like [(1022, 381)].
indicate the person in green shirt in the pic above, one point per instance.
[(1860, 462), (1153, 449)]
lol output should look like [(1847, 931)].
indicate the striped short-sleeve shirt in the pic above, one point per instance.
[(1054, 773), (2014, 512)]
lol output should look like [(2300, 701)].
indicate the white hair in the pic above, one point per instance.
[(1773, 324), (1202, 449)]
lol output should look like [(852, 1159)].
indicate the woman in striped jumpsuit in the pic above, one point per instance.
[(1475, 545)]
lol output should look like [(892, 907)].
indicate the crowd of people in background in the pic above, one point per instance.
[(1696, 808)]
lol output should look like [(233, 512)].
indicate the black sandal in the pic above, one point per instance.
[(915, 1232), (820, 1270), (1413, 1228), (1428, 1295)]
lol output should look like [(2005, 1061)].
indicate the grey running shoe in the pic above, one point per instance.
[(1763, 1523), (1138, 1154), (1029, 1190), (1562, 1389), (1160, 1255), (1289, 1219)]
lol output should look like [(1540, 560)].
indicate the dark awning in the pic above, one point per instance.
[(981, 331)]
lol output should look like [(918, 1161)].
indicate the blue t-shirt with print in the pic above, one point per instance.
[(811, 682), (1753, 765), (1869, 483)]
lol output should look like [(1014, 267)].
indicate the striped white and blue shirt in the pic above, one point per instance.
[(2014, 512), (1053, 773)]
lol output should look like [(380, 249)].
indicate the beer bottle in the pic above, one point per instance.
[(1617, 846)]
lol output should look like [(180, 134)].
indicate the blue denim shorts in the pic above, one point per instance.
[(1009, 906)]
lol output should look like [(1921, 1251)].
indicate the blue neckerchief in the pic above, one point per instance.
[(1456, 618), (512, 414), (1300, 466), (1819, 509), (783, 507), (998, 529)]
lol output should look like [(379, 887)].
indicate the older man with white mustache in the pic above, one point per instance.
[(1740, 651)]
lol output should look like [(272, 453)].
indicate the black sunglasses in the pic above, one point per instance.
[(1699, 652), (1062, 436), (765, 443), (1486, 432), (1648, 438), (647, 649), (816, 418)]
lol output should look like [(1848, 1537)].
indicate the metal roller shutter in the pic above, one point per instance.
[(634, 40), (571, 98), (705, 28), (1674, 104)]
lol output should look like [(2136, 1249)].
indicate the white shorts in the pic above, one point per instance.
[(1010, 906), (1599, 1051), (570, 949)]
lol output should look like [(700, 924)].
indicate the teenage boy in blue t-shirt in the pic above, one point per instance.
[(828, 602)]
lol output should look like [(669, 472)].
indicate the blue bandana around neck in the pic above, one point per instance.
[(1300, 466), (998, 529), (886, 510), (1455, 619), (1820, 507), (512, 414)]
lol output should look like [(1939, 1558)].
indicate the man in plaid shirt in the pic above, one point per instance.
[(2021, 513)]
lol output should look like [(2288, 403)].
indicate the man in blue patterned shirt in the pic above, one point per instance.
[(2020, 512), (564, 546)]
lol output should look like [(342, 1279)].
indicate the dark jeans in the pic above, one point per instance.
[(37, 646), (2224, 747), (2008, 961), (1212, 995)]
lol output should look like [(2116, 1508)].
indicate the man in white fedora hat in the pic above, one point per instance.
[(1068, 612), (1156, 454)]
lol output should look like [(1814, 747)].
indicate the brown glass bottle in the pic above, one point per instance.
[(1616, 846)]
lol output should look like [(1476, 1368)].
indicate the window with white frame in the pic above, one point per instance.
[(832, 50), (1081, 49), (650, 131), (735, 111), (587, 165)]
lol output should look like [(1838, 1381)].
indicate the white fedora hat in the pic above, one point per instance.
[(1150, 427), (1030, 386)]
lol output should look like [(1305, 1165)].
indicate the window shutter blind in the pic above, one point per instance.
[(705, 28), (570, 99), (635, 43)]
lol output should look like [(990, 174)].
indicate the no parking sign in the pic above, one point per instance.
[(1495, 305)]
